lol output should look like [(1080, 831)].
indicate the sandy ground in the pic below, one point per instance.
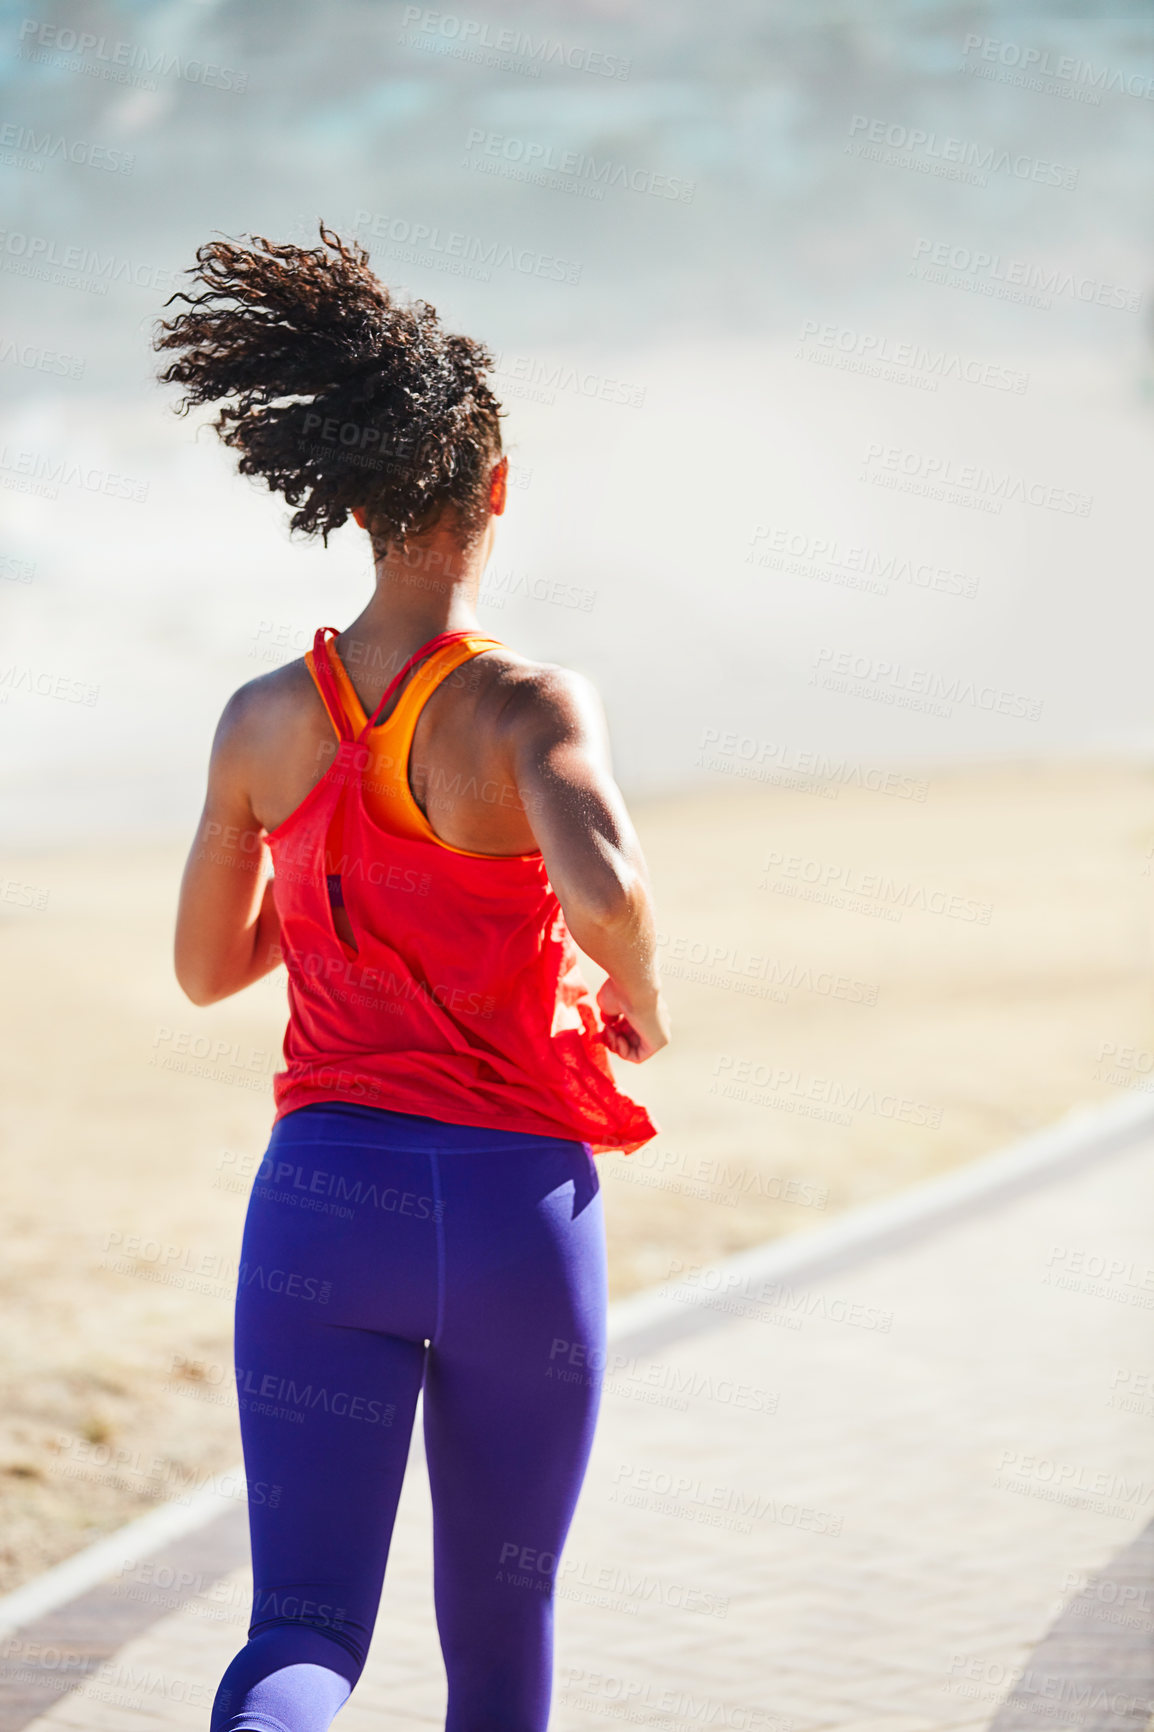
[(867, 988)]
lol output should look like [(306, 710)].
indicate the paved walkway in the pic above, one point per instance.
[(912, 1494)]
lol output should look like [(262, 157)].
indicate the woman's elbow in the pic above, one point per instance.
[(198, 984), (610, 902), (197, 993)]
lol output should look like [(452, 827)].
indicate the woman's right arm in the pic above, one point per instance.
[(559, 750), (227, 929)]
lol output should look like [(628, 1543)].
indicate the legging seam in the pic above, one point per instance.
[(439, 1228), (399, 1148), (338, 1637), (249, 1721)]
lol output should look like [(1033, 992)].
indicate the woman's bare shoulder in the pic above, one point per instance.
[(273, 706), (538, 697)]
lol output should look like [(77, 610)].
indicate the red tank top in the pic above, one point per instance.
[(463, 999)]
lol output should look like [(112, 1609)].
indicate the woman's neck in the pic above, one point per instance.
[(429, 588)]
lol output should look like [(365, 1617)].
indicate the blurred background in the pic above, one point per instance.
[(824, 334)]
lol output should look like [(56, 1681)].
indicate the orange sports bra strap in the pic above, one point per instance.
[(320, 665), (441, 641), (321, 668)]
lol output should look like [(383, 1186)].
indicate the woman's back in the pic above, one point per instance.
[(461, 765), (433, 976)]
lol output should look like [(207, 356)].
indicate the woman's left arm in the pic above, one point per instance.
[(227, 930)]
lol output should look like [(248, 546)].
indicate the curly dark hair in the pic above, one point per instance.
[(336, 392)]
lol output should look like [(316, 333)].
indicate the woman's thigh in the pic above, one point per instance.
[(523, 1267), (343, 1226), (513, 1377), (336, 1297)]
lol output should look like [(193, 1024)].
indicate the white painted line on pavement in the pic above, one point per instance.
[(1078, 1136), (115, 1552)]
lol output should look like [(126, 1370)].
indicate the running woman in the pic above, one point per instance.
[(442, 824)]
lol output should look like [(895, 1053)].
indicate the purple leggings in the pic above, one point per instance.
[(384, 1253)]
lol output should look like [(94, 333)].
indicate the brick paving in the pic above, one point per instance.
[(913, 1493)]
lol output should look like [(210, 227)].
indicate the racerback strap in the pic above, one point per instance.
[(322, 672), (330, 692)]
